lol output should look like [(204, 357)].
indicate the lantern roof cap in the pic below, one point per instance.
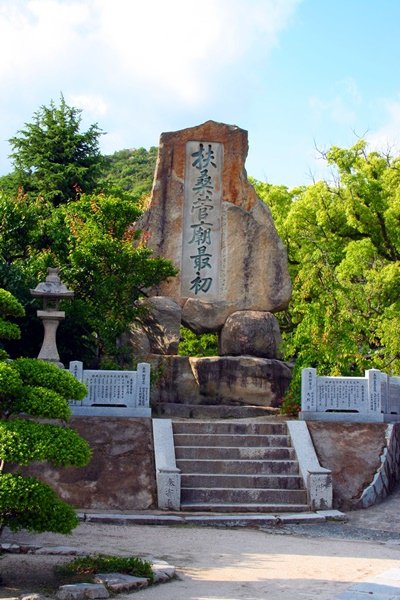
[(52, 287)]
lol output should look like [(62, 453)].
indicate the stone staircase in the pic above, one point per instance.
[(232, 466)]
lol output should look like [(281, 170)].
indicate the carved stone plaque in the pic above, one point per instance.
[(201, 236)]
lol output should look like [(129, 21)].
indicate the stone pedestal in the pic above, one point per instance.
[(51, 320), (219, 380), (251, 333)]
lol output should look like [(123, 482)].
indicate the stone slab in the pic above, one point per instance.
[(317, 479), (344, 417), (167, 474), (120, 582), (81, 591), (228, 381), (122, 519), (110, 411), (226, 519), (332, 515), (163, 571), (60, 551)]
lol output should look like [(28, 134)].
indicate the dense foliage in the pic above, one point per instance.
[(103, 563), (343, 244), (193, 344), (130, 170), (53, 158), (31, 390), (342, 237), (90, 236)]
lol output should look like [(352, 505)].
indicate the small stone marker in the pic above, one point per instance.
[(120, 582), (163, 571), (81, 591)]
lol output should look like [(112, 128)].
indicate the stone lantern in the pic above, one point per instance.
[(51, 291)]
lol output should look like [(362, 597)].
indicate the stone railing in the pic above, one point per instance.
[(317, 479), (113, 393), (372, 398), (168, 476)]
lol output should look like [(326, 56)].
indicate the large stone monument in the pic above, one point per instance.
[(207, 219)]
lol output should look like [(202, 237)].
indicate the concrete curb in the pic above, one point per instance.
[(224, 520)]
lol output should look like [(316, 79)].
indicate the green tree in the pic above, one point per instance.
[(30, 391), (96, 245), (130, 170), (52, 157), (344, 252), (47, 219), (192, 344)]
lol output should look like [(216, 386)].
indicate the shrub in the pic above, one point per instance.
[(31, 390)]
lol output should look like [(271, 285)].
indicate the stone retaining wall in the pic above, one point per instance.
[(363, 458), (387, 474), (121, 474)]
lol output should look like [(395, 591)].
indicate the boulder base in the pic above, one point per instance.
[(253, 333), (157, 330), (225, 380)]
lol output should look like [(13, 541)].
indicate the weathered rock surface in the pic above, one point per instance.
[(242, 379), (251, 271), (227, 380), (352, 452), (157, 329), (252, 333), (174, 380), (120, 475)]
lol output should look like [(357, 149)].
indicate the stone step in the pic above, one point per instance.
[(234, 440), (211, 411), (229, 427), (242, 453), (240, 467), (224, 507), (244, 495), (204, 480)]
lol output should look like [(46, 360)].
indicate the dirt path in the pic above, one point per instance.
[(218, 564), (293, 562)]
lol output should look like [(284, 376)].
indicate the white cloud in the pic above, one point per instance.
[(335, 109), (94, 105), (37, 36), (139, 67), (351, 88), (387, 137), (171, 46), (341, 107)]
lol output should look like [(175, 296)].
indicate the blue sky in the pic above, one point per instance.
[(297, 74)]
